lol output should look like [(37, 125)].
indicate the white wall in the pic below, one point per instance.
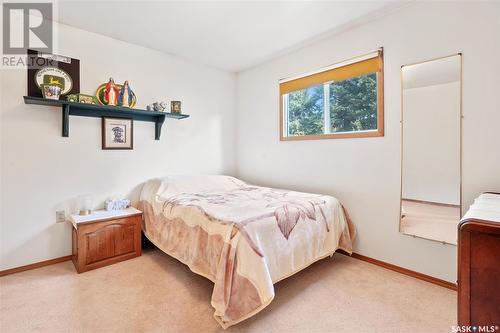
[(431, 143), (365, 173), (42, 172)]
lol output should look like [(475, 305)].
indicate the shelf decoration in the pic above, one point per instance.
[(175, 106), (110, 93), (48, 71), (98, 111), (103, 99), (51, 91), (162, 106), (82, 98), (157, 106), (54, 80), (126, 96)]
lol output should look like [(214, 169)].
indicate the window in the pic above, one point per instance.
[(342, 101)]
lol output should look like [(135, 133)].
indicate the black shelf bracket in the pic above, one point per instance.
[(65, 120), (158, 124)]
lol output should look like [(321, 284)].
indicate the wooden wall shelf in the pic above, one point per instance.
[(98, 111)]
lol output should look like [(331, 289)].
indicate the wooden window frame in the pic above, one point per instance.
[(343, 135)]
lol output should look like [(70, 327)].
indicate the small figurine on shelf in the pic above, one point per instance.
[(157, 106), (126, 96), (111, 93), (160, 106)]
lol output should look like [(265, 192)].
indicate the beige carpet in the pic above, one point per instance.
[(155, 293)]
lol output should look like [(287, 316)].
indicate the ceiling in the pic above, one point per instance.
[(230, 35)]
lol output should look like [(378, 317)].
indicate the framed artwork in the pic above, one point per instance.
[(47, 71), (117, 133), (175, 106)]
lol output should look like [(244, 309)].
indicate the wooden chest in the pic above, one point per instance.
[(104, 238)]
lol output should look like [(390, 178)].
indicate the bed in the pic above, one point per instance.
[(242, 237)]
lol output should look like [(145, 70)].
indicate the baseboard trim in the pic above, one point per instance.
[(404, 271), (34, 265), (380, 263)]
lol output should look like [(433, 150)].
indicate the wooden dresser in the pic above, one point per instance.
[(106, 237), (479, 263)]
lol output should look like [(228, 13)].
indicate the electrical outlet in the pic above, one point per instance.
[(60, 216)]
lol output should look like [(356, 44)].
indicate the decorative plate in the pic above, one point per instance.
[(54, 76)]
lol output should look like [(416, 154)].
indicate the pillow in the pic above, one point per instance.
[(173, 185)]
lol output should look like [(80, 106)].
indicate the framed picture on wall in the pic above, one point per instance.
[(117, 133), (45, 69)]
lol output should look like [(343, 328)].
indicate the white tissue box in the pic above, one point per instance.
[(116, 204)]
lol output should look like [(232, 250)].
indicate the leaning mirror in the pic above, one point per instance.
[(431, 149)]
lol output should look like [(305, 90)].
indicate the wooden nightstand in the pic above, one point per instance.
[(105, 237)]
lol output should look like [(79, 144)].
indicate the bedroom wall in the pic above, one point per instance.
[(42, 172), (364, 173), (431, 168)]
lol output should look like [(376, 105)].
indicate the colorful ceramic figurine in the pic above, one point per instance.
[(111, 93), (126, 95)]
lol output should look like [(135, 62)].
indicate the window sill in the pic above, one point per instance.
[(348, 135)]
